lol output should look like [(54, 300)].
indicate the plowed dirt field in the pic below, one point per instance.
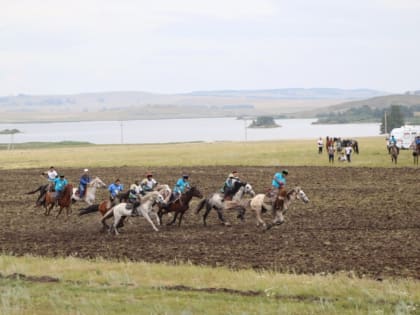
[(365, 220)]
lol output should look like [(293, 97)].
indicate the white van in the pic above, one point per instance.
[(405, 135)]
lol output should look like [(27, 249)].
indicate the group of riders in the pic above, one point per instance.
[(57, 182)]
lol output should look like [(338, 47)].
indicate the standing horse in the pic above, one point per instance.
[(144, 208), (416, 153), (394, 153), (63, 202), (90, 193), (180, 205), (216, 201), (261, 203)]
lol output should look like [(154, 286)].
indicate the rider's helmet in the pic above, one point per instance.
[(185, 176), (285, 172), (149, 175), (85, 170)]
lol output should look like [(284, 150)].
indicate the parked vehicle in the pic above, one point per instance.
[(405, 135)]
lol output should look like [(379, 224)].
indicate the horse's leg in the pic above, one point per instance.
[(208, 209), (279, 218), (145, 214), (221, 218), (258, 216), (59, 211), (180, 217), (174, 218)]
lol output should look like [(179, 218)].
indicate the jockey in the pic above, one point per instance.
[(279, 180), (230, 182), (59, 183), (51, 175), (114, 189), (417, 140), (133, 196), (135, 191), (181, 185), (84, 180), (148, 183)]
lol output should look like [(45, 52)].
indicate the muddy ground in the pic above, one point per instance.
[(364, 220)]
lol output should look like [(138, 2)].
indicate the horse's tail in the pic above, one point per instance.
[(200, 205), (40, 188), (90, 209)]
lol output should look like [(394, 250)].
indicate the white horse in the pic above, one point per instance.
[(90, 192), (144, 209), (216, 201), (261, 203)]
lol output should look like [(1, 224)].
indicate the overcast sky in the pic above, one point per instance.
[(166, 46)]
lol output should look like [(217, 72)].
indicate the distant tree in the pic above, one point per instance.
[(263, 122), (394, 119), (9, 131)]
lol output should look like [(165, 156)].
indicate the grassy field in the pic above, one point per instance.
[(303, 152), (75, 286), (104, 287)]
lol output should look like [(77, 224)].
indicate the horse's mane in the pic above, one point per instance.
[(65, 199), (149, 196)]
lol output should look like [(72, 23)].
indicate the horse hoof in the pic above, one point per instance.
[(227, 224)]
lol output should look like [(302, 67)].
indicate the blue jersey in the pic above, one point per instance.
[(278, 181), (60, 183), (114, 189), (181, 185)]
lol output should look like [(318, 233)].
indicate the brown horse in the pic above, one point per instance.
[(63, 202), (180, 205), (416, 153), (394, 153)]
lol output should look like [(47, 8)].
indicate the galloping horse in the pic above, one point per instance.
[(393, 150), (90, 192), (216, 201), (63, 202), (261, 203), (145, 208), (180, 205)]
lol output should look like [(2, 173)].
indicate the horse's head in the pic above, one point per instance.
[(249, 190), (300, 194), (195, 192), (97, 183)]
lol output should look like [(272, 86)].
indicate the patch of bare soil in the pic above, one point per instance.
[(363, 220)]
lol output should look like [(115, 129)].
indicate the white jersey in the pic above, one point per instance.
[(149, 183), (52, 174)]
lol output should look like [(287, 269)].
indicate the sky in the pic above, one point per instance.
[(168, 46)]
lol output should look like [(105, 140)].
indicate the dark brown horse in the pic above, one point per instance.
[(63, 202), (180, 205), (416, 153), (394, 153)]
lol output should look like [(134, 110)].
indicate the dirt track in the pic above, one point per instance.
[(361, 219)]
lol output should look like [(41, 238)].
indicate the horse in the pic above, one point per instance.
[(42, 191), (90, 193), (261, 203), (353, 143), (180, 205), (144, 208), (416, 153), (217, 201), (394, 153), (63, 202)]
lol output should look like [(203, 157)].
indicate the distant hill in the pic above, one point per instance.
[(126, 105), (380, 102), (297, 93)]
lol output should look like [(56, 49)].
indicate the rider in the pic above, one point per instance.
[(84, 180), (114, 189), (148, 183), (133, 196), (181, 185), (279, 181), (230, 183), (51, 174), (59, 183)]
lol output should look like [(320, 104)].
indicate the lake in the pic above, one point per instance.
[(181, 130)]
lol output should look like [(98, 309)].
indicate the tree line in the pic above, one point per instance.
[(395, 116)]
